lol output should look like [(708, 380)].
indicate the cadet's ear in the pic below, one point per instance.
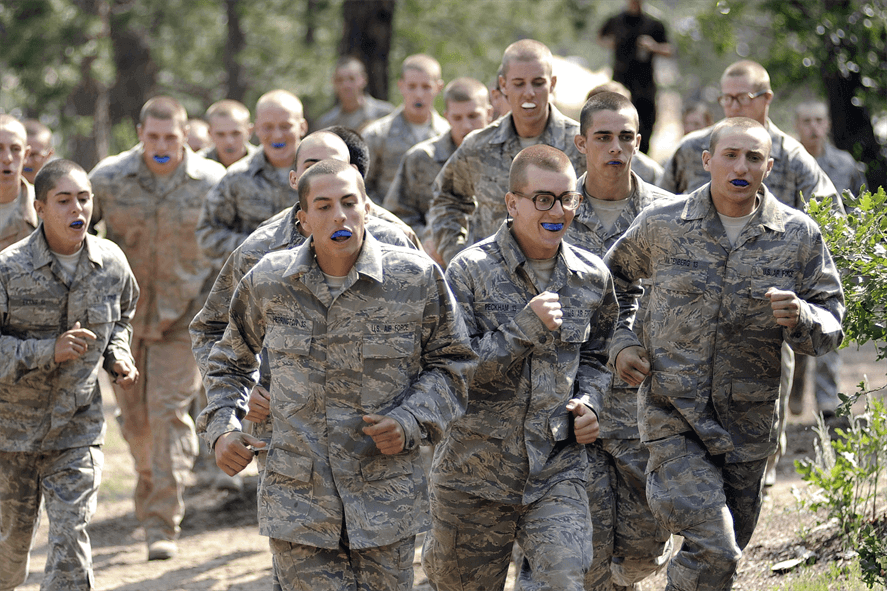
[(511, 203), (706, 158)]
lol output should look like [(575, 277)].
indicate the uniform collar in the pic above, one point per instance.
[(515, 257), (42, 255), (699, 206), (368, 264), (553, 134)]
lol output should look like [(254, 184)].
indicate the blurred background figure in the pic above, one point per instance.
[(635, 38), (18, 218), (198, 134), (354, 107), (40, 141), (696, 116), (497, 98), (230, 128)]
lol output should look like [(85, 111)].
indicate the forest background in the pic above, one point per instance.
[(85, 67)]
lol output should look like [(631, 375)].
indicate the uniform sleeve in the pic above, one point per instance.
[(231, 366), (822, 310), (402, 197), (511, 342), (629, 261), (672, 179), (218, 216), (439, 395), (375, 143), (119, 344), (811, 180), (19, 356), (593, 378), (208, 326), (452, 205)]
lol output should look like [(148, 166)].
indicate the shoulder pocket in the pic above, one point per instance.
[(104, 311), (672, 385), (288, 340)]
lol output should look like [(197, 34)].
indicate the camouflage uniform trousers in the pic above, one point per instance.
[(470, 543), (67, 483), (155, 422), (307, 568), (825, 373), (786, 381), (714, 505), (629, 544)]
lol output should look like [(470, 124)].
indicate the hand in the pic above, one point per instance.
[(127, 374), (585, 425), (73, 343), (648, 43), (786, 306), (259, 404), (387, 433), (547, 307), (232, 455), (633, 365)]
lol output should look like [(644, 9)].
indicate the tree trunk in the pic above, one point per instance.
[(233, 46), (367, 30)]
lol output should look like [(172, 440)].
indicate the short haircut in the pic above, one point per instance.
[(698, 107), (465, 89), (724, 125), (756, 73), (809, 106), (611, 86), (36, 129), (604, 101), (282, 98), (11, 123), (496, 81), (164, 107), (49, 176), (423, 63), (527, 50), (308, 139), (350, 60), (322, 168), (358, 150), (228, 108), (541, 156)]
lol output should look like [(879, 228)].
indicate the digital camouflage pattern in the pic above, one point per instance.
[(648, 169), (710, 333), (47, 406), (845, 172), (393, 343), (409, 195), (23, 221), (369, 111), (154, 223), (389, 138), (516, 437), (212, 153), (471, 545), (250, 192), (382, 568), (51, 420), (795, 171), (624, 527), (469, 195)]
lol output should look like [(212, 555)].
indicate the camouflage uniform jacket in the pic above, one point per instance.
[(249, 193), (392, 343), (371, 110), (618, 416), (278, 233), (389, 138), (648, 169), (46, 405), (842, 169), (23, 221), (794, 172), (156, 231), (409, 196), (469, 193), (709, 329), (212, 153), (516, 437)]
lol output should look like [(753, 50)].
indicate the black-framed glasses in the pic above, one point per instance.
[(544, 200), (743, 99)]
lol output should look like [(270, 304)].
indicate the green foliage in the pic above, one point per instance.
[(846, 474), (838, 577)]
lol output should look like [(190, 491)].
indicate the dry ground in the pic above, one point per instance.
[(220, 548)]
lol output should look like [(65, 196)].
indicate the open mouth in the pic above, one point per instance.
[(528, 105), (341, 235), (418, 105), (553, 227), (78, 225), (739, 183), (278, 145), (161, 159)]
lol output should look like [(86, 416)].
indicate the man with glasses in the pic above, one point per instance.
[(513, 469), (40, 142)]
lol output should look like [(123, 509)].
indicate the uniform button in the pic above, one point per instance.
[(543, 340)]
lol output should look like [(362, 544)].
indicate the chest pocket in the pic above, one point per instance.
[(287, 342), (34, 317), (104, 311), (681, 279), (388, 368)]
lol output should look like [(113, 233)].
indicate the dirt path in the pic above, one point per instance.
[(221, 550)]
